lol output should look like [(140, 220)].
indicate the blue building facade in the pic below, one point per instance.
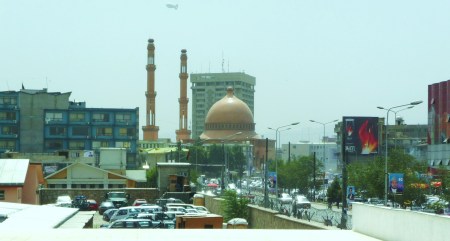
[(36, 121)]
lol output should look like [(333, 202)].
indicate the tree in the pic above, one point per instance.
[(152, 177), (298, 174), (234, 206), (334, 193), (370, 176)]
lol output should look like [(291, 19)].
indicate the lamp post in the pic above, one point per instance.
[(276, 151), (324, 146), (224, 158), (386, 145), (395, 112)]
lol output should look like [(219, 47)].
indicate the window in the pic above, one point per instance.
[(53, 116), (8, 115), (107, 131), (80, 131), (76, 145), (123, 118), (100, 117), (54, 144), (2, 194), (9, 145), (8, 100), (77, 116), (9, 130), (127, 132), (57, 131), (123, 144)]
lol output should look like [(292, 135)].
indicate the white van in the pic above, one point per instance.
[(124, 212)]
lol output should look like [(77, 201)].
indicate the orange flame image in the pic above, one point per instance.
[(369, 142)]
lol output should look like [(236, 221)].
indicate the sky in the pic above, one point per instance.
[(312, 59)]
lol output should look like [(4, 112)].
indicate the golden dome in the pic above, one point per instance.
[(229, 116)]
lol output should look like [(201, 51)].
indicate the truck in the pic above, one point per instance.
[(119, 199)]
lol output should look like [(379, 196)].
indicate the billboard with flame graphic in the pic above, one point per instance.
[(361, 135)]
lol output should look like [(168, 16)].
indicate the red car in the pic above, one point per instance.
[(139, 202), (93, 205)]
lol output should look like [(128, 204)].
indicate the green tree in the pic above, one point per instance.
[(298, 174), (369, 176), (234, 206), (152, 176), (334, 193)]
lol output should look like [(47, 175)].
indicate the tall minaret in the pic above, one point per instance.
[(150, 129), (183, 133)]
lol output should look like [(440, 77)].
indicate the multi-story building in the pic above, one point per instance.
[(208, 88), (37, 121), (439, 125), (326, 152)]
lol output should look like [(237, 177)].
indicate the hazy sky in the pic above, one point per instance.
[(312, 59)]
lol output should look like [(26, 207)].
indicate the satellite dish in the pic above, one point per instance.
[(174, 6)]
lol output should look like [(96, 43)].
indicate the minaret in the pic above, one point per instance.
[(150, 130), (183, 133)]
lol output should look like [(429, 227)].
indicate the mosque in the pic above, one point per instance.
[(229, 120)]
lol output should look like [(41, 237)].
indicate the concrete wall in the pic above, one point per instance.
[(398, 224), (262, 218)]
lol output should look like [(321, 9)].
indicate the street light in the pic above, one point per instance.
[(224, 159), (324, 151), (386, 140), (395, 112), (276, 152)]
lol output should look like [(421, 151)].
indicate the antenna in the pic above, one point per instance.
[(223, 70), (46, 81)]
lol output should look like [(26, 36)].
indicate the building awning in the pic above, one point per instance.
[(445, 162)]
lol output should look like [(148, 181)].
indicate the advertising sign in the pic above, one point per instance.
[(361, 135), (396, 183), (272, 179)]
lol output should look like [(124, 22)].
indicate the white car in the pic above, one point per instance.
[(301, 202), (64, 201), (285, 198)]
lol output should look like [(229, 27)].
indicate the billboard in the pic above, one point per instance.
[(272, 179), (361, 135), (396, 183)]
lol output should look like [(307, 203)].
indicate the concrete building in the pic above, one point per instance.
[(19, 181), (208, 88), (326, 152), (438, 126), (38, 121)]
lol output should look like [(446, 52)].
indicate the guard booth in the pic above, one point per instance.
[(173, 176), (207, 221)]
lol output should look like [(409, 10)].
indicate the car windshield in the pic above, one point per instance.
[(117, 195)]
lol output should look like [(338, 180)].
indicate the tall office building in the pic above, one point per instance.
[(208, 88)]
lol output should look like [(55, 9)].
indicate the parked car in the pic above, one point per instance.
[(124, 212), (202, 209), (105, 206), (92, 205), (139, 202), (285, 198), (80, 202), (130, 223), (301, 202), (109, 213), (64, 201)]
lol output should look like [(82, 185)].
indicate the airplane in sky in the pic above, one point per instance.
[(174, 6)]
